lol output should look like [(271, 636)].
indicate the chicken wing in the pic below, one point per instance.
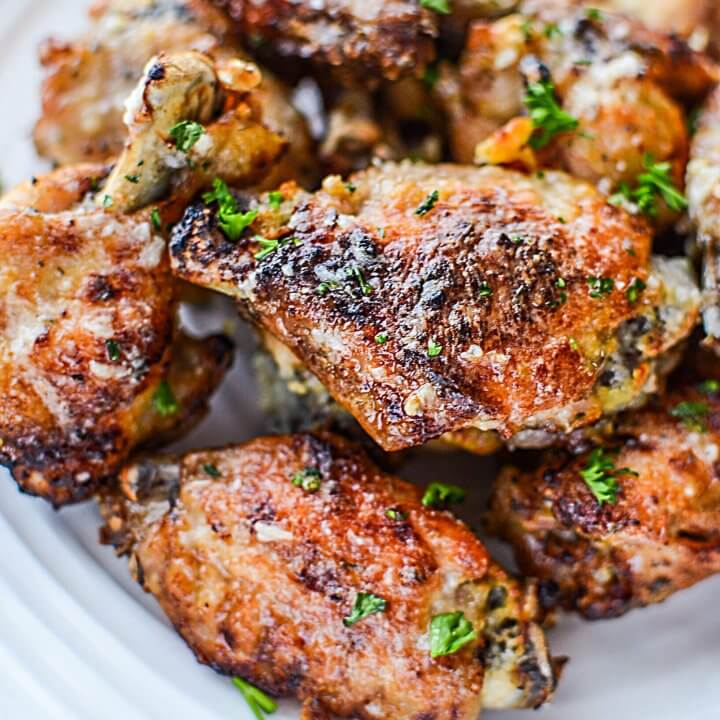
[(93, 364), (360, 41), (429, 299), (628, 523), (86, 82), (266, 557), (586, 91)]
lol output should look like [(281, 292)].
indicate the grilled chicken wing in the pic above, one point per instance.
[(258, 555), (87, 81), (429, 299), (360, 41), (621, 84), (92, 362), (661, 534)]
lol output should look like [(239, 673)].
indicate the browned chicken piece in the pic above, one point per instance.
[(93, 364), (295, 563), (430, 299), (360, 40), (617, 89), (656, 530), (87, 81)]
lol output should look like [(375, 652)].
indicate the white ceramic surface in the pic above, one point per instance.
[(79, 640)]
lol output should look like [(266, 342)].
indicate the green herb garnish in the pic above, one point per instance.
[(231, 222), (600, 475), (548, 118), (433, 349), (431, 75), (395, 514), (692, 415), (112, 349), (710, 386), (381, 338), (600, 286), (440, 495), (309, 479), (258, 701), (439, 6), (484, 290), (449, 632), (135, 179), (155, 219), (185, 134), (365, 604), (211, 470), (275, 199), (164, 400), (594, 14), (428, 203), (634, 290)]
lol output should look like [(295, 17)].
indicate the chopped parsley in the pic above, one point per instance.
[(449, 632), (598, 287), (708, 387), (517, 239), (107, 201), (325, 287), (231, 222), (594, 14), (431, 75), (381, 338), (275, 199), (365, 287), (439, 6), (653, 183), (633, 292), (258, 701), (268, 247), (600, 475), (164, 400), (112, 349), (692, 414), (484, 290), (365, 604), (433, 348), (185, 134), (350, 187), (428, 203), (440, 495), (211, 470), (309, 479), (155, 219), (552, 30), (548, 118), (395, 514), (135, 179), (527, 29)]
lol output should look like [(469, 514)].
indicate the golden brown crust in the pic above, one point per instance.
[(485, 299), (660, 536), (257, 575), (86, 326), (361, 41)]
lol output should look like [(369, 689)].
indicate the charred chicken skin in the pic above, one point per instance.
[(264, 555), (93, 364), (361, 41), (431, 299), (656, 530)]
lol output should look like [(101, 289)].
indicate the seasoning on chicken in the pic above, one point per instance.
[(87, 81), (296, 564), (93, 364), (430, 299), (629, 522)]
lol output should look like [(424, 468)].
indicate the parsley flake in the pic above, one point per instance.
[(548, 118), (185, 134), (135, 179), (439, 6), (164, 400), (365, 287), (365, 604), (431, 75), (211, 470), (708, 387), (275, 199), (428, 203), (440, 495), (156, 220), (692, 415), (600, 286), (484, 290), (107, 201), (433, 349), (600, 475), (594, 14), (258, 701), (653, 183), (309, 479), (381, 338), (231, 222), (634, 290), (449, 632), (112, 349), (395, 514)]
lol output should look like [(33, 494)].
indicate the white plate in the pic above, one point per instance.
[(79, 640)]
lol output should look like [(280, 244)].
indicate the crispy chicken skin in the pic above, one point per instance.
[(87, 318), (87, 81), (429, 299), (623, 83), (662, 534), (361, 40), (257, 574)]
